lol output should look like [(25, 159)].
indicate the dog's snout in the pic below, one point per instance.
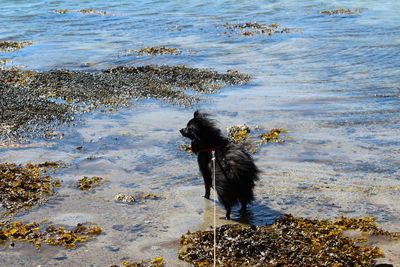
[(182, 130)]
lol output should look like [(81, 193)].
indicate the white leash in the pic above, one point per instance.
[(215, 211)]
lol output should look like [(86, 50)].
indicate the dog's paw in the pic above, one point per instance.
[(207, 196)]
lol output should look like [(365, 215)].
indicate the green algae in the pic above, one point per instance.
[(289, 241)]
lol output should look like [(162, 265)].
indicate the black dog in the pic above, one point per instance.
[(235, 169)]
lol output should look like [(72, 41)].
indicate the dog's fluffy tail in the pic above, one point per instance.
[(237, 175)]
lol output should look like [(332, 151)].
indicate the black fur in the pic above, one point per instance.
[(236, 172)]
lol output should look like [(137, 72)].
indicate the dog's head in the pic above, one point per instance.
[(202, 130), (196, 126)]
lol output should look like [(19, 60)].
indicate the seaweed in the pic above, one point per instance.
[(83, 11), (156, 262), (341, 11), (250, 28), (89, 183), (186, 147), (273, 135), (289, 241), (158, 50), (11, 46), (251, 139), (238, 133), (35, 103), (25, 186), (54, 235)]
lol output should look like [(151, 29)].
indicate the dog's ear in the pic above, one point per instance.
[(197, 114)]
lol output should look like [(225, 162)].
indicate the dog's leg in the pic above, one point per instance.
[(207, 186), (228, 212), (203, 160), (243, 207)]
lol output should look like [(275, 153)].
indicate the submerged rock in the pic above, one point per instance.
[(289, 241)]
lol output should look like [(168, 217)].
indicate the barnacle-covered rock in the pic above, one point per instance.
[(289, 241), (83, 11), (158, 50), (11, 46), (138, 196), (124, 198), (250, 28), (35, 103)]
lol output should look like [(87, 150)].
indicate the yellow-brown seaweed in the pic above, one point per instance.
[(88, 183), (37, 234), (156, 262), (289, 241), (273, 135), (25, 186)]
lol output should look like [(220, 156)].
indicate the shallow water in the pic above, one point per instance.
[(334, 84)]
